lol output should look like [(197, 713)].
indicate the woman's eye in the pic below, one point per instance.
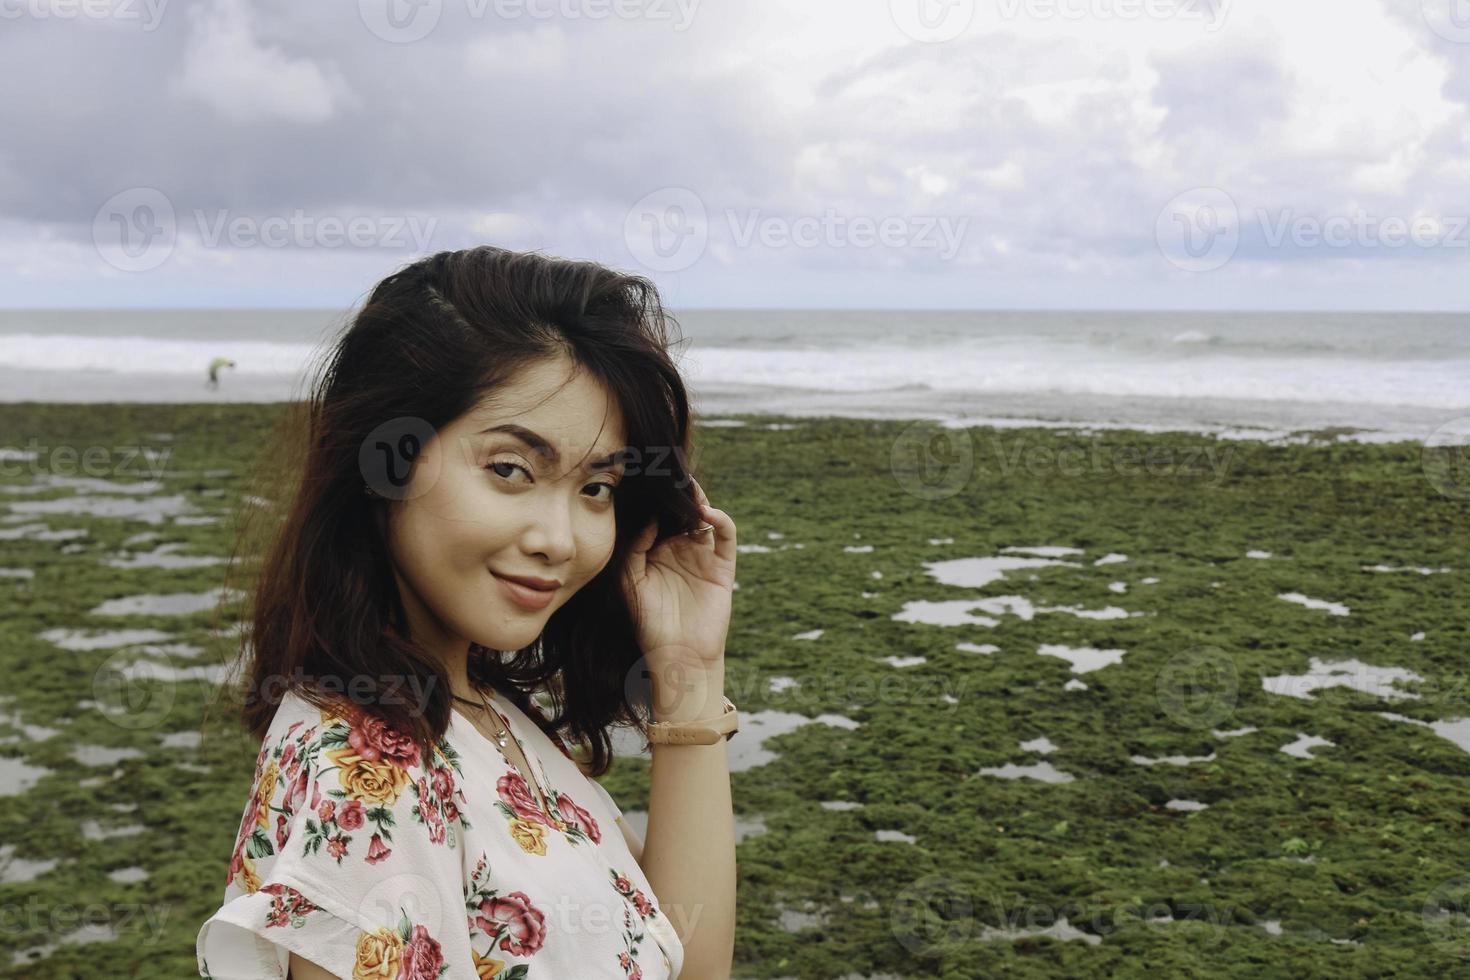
[(611, 489), (498, 464)]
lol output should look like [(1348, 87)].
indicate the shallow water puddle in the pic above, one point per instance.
[(1258, 554), (151, 510), (1186, 805), (963, 612), (1422, 570), (69, 639), (1042, 745), (18, 776), (1336, 608), (25, 573), (92, 830), (40, 532), (1042, 771), (1171, 760), (15, 870), (895, 835), (839, 805), (1110, 558), (746, 750), (103, 755), (1060, 929), (1302, 747), (975, 573), (1456, 730), (173, 604), (1044, 551), (87, 934), (1233, 733), (35, 733), (1352, 674), (808, 635), (129, 875), (164, 556), (1082, 659), (985, 648), (897, 661)]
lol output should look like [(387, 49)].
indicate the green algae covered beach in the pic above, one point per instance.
[(1081, 704)]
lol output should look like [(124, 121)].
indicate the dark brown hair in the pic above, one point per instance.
[(430, 342)]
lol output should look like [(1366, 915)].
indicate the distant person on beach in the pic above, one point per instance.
[(214, 369)]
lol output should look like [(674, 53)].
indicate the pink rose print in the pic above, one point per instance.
[(522, 922), (376, 850), (429, 811), (443, 783), (422, 956), (297, 795), (352, 815), (327, 810), (517, 795), (578, 817), (281, 832), (641, 902), (337, 847), (374, 740)]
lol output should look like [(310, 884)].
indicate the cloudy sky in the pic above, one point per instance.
[(761, 153)]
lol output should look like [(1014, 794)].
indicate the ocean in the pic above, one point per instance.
[(1390, 375)]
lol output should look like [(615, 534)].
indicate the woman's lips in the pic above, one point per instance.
[(525, 596)]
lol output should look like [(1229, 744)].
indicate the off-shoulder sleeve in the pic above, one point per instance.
[(346, 855)]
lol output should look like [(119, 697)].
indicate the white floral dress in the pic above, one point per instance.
[(359, 855)]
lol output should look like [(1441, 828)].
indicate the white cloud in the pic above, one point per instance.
[(227, 67)]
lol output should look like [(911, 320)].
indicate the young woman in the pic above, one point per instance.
[(491, 503)]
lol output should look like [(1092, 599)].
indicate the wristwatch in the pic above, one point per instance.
[(705, 732)]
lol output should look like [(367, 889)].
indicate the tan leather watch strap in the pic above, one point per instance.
[(704, 732)]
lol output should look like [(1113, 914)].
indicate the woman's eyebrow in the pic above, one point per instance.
[(541, 445)]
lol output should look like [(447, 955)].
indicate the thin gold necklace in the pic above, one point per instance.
[(501, 734)]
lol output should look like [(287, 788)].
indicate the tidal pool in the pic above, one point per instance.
[(1043, 771), (16, 870), (746, 750), (1302, 747), (1336, 608), (17, 776), (976, 573), (1352, 674), (1082, 659), (164, 556), (173, 604), (150, 510), (102, 639)]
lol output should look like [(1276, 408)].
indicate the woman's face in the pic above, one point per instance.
[(532, 497)]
